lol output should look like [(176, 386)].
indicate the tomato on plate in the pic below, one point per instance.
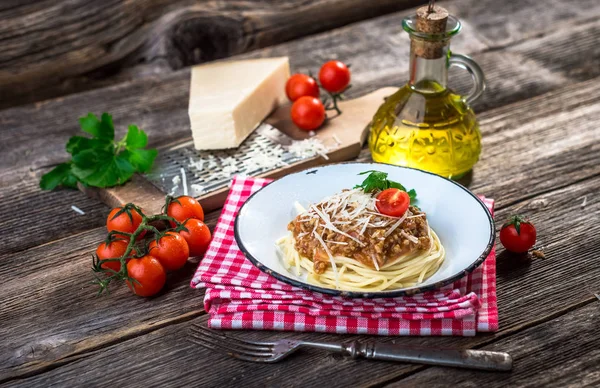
[(308, 113), (149, 274), (393, 202), (122, 222), (172, 251), (518, 234), (198, 236), (184, 207), (114, 250), (300, 85), (334, 76)]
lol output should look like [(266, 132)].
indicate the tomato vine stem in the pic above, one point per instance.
[(135, 248)]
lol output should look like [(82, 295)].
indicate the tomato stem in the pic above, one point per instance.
[(141, 248)]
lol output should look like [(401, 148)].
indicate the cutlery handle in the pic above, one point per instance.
[(470, 358)]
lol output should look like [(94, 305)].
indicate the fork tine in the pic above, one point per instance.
[(252, 359), (231, 340), (227, 343), (253, 344), (227, 351)]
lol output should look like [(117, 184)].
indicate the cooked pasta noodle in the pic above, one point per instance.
[(408, 270), (345, 242)]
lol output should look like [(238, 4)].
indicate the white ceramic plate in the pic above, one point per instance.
[(461, 220)]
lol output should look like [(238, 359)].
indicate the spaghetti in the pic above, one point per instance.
[(345, 243)]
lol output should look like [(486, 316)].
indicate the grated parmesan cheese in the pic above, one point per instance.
[(77, 210), (308, 148), (196, 189), (184, 180)]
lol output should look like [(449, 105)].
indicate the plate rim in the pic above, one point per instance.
[(374, 294)]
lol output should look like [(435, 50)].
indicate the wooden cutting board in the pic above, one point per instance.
[(350, 130)]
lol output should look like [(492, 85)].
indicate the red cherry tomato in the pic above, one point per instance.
[(122, 222), (334, 76), (185, 207), (393, 202), (198, 236), (308, 113), (113, 250), (300, 85), (149, 274), (518, 234), (172, 251)]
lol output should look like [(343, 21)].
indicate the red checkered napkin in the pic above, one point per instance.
[(240, 296)]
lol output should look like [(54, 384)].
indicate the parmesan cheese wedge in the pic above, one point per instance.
[(228, 100)]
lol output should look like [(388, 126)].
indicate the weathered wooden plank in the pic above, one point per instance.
[(71, 46), (168, 112), (31, 217), (155, 37), (528, 18), (529, 292), (559, 353), (158, 104)]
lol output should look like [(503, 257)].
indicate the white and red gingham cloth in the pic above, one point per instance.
[(240, 296)]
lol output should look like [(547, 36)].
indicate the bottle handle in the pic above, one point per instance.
[(466, 63)]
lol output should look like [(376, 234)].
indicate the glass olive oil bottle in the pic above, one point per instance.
[(425, 124)]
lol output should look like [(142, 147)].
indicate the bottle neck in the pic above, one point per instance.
[(428, 75)]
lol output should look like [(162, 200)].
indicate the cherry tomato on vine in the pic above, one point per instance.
[(198, 236), (188, 207), (113, 250), (393, 202), (518, 234), (172, 251), (122, 222), (308, 113), (300, 85), (149, 274), (334, 76)]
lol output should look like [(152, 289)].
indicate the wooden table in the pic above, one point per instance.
[(540, 119)]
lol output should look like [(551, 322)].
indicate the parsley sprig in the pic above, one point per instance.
[(377, 181), (100, 161)]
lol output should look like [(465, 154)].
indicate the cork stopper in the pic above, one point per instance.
[(430, 20)]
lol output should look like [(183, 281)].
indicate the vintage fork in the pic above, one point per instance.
[(270, 352)]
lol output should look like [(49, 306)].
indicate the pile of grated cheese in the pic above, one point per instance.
[(351, 210), (263, 157)]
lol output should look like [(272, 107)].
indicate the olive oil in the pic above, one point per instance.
[(428, 127), (425, 124)]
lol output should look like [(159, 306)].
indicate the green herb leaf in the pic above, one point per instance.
[(135, 138), (76, 144), (102, 128), (98, 161), (141, 159), (412, 194), (377, 181), (101, 168), (60, 175), (396, 185)]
